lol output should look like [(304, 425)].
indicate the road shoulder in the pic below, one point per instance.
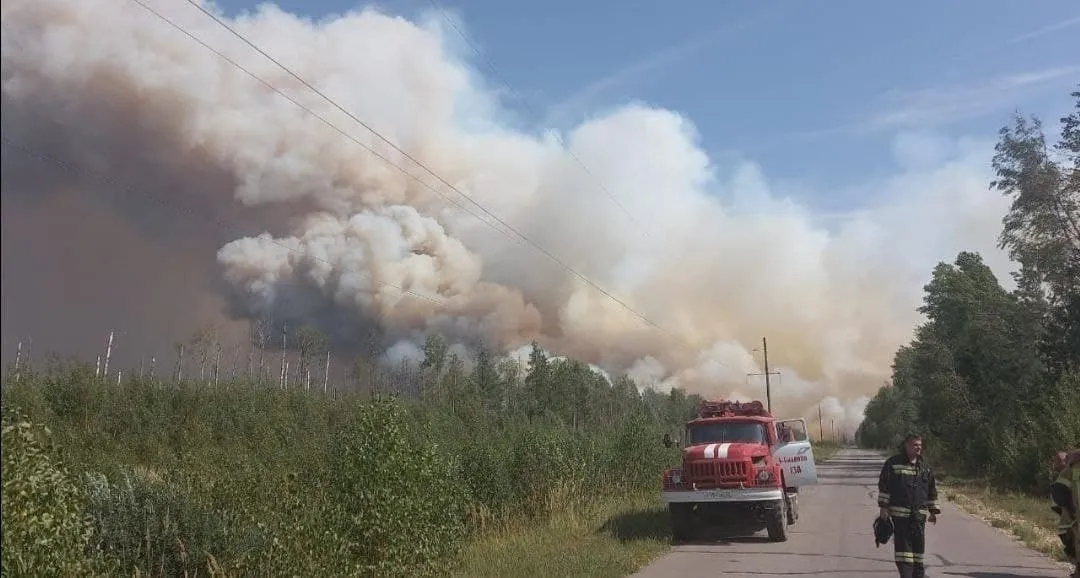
[(834, 537), (1017, 515)]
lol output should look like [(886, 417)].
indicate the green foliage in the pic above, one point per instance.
[(1042, 228), (395, 504), (143, 521), (237, 478), (45, 528), (634, 453), (992, 379)]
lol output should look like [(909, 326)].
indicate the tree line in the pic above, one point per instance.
[(552, 389), (220, 472), (991, 379), (484, 384)]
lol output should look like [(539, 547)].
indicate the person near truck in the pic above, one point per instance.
[(907, 495), (1066, 498), (785, 435), (1073, 465)]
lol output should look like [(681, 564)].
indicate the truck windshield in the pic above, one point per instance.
[(728, 431)]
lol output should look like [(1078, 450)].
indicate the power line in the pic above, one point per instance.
[(491, 65), (378, 135), (224, 227), (320, 117)]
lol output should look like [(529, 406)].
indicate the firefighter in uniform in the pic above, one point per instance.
[(1065, 492), (1074, 468), (1061, 492), (907, 493)]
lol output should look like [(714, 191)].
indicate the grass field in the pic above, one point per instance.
[(607, 537)]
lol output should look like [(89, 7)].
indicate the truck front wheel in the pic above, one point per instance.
[(682, 521), (776, 523)]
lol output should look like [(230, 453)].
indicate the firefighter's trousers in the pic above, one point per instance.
[(909, 542)]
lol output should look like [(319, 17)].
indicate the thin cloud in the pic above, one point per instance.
[(639, 69), (913, 109), (1044, 30), (790, 137), (1018, 39), (929, 106)]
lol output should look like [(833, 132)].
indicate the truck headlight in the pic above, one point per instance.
[(676, 477), (764, 476)]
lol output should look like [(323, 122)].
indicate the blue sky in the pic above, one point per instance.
[(816, 92)]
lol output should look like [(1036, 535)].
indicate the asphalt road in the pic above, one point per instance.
[(833, 537)]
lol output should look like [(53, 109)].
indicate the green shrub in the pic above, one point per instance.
[(144, 521), (636, 457), (44, 526), (540, 465), (394, 501), (485, 469), (266, 482)]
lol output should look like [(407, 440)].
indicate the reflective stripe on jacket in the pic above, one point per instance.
[(904, 486)]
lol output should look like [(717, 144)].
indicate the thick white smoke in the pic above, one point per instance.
[(715, 255)]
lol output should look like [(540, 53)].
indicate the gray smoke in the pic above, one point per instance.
[(305, 224)]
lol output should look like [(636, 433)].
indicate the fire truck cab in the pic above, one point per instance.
[(740, 466)]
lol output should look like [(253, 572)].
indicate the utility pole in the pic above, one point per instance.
[(820, 426), (768, 390)]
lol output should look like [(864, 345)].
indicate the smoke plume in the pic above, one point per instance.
[(296, 220)]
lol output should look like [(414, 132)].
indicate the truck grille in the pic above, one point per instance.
[(713, 473)]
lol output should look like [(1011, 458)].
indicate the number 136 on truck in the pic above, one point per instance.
[(740, 465)]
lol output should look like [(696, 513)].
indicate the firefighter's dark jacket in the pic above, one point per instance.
[(904, 486), (1061, 494)]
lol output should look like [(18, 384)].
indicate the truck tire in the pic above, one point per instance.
[(776, 523), (682, 521)]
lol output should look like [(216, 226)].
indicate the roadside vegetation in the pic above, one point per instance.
[(992, 378), (825, 449), (1024, 514), (545, 469), (607, 537), (246, 478)]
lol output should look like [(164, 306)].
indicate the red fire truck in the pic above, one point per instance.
[(740, 466)]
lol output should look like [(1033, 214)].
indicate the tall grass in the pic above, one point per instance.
[(235, 480)]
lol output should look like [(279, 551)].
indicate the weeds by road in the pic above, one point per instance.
[(1024, 515), (603, 537), (606, 537), (823, 450)]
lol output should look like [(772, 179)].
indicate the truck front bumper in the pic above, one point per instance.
[(732, 495)]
